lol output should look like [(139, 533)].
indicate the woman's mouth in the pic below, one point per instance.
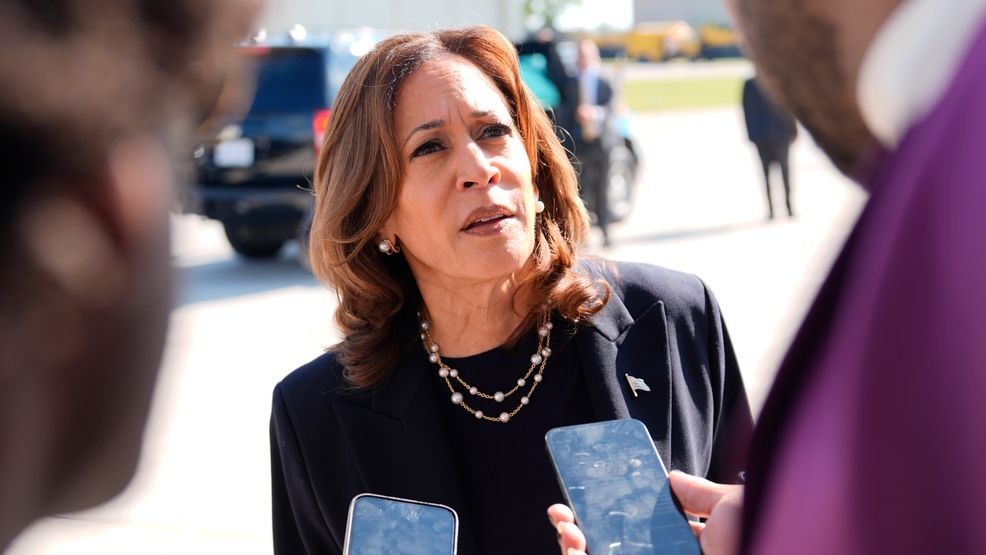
[(487, 222)]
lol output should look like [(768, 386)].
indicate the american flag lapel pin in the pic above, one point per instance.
[(636, 384)]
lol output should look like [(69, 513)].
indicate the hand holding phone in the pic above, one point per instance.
[(381, 525), (615, 482)]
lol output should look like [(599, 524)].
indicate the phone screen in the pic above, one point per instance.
[(614, 481), (381, 525)]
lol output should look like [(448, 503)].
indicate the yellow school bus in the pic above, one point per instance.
[(663, 40), (718, 41)]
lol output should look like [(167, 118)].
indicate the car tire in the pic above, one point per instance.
[(622, 181), (304, 246), (248, 244)]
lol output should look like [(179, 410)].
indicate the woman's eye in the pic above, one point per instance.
[(427, 148), (496, 130)]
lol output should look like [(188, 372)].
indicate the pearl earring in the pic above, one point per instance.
[(388, 247), (538, 207)]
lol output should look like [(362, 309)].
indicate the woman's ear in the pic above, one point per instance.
[(140, 189), (87, 242), (71, 243), (388, 230)]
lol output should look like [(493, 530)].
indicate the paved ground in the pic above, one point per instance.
[(685, 69), (203, 483)]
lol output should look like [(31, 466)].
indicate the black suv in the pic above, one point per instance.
[(255, 175)]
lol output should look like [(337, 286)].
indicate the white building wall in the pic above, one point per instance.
[(398, 15), (695, 12)]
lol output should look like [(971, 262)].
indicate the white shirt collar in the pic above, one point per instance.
[(911, 63)]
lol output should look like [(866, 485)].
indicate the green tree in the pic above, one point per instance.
[(544, 13)]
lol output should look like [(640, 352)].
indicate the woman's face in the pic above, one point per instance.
[(466, 205)]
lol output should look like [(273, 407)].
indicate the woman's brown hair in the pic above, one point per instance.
[(357, 184)]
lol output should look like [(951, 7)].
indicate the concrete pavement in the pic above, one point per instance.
[(203, 483)]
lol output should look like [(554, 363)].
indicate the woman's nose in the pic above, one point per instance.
[(475, 168)]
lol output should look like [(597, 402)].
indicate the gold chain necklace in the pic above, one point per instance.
[(538, 361)]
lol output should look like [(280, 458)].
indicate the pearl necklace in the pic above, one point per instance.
[(538, 361)]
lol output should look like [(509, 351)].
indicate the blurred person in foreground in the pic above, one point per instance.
[(93, 96), (772, 130), (871, 439), (448, 222)]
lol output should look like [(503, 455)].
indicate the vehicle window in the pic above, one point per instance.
[(289, 80), (534, 72), (568, 53), (347, 48), (339, 67)]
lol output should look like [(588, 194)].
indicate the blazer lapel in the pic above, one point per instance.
[(401, 447), (617, 345), (598, 351)]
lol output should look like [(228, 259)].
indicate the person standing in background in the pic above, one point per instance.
[(594, 136), (772, 130)]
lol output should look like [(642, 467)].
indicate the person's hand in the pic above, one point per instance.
[(587, 113), (720, 504), (570, 537)]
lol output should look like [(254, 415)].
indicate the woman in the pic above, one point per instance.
[(448, 220)]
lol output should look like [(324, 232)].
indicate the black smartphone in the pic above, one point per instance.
[(380, 525), (614, 481)]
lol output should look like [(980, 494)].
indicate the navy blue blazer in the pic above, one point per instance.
[(766, 122), (329, 444)]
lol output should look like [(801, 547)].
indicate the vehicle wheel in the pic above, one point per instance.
[(622, 179), (249, 244), (304, 246)]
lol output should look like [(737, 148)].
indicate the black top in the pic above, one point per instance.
[(503, 469)]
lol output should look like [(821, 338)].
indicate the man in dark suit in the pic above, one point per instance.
[(594, 135), (772, 130)]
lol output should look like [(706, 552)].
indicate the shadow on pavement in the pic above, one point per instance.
[(235, 277)]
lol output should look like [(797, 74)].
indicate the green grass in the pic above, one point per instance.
[(675, 94)]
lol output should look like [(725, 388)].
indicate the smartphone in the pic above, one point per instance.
[(616, 484), (379, 525)]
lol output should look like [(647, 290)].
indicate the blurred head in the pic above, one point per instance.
[(93, 96), (437, 145), (808, 54), (545, 35), (588, 55)]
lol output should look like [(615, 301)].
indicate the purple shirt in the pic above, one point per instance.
[(873, 439)]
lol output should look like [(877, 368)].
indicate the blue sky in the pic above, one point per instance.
[(593, 13)]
